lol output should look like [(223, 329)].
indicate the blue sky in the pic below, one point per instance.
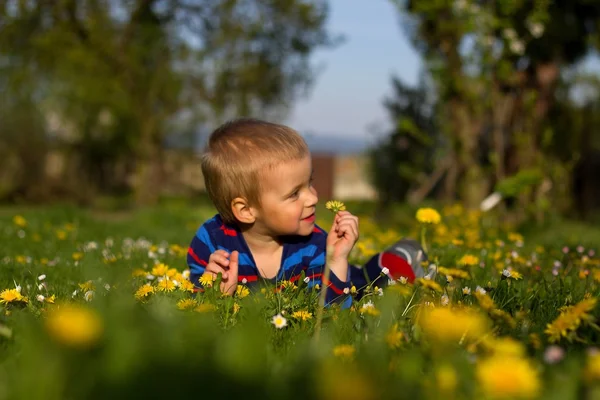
[(354, 78)]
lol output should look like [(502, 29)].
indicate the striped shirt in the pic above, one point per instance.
[(300, 254)]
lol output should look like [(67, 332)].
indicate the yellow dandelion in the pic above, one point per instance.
[(236, 308), (87, 286), (50, 299), (502, 377), (242, 291), (468, 260), (19, 221), (77, 256), (394, 337), (428, 216), (302, 315), (447, 325), (60, 234), (207, 279), (205, 307), (344, 351), (160, 269), (138, 272), (186, 286), (12, 296), (166, 285), (592, 368), (74, 325), (187, 304), (454, 273), (335, 206), (446, 379), (429, 284), (144, 291)]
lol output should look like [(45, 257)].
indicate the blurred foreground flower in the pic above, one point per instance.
[(19, 221), (502, 377), (74, 325), (448, 325), (428, 216)]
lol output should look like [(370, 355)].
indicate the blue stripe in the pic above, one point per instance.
[(318, 260), (243, 258), (202, 234), (196, 269), (296, 258)]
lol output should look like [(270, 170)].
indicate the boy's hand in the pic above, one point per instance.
[(340, 241), (221, 261)]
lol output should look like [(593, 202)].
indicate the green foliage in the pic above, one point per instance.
[(524, 180), (152, 348)]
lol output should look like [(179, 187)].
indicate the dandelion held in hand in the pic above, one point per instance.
[(335, 206)]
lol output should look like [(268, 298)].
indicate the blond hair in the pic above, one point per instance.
[(238, 152)]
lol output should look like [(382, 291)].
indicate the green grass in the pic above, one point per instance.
[(153, 349)]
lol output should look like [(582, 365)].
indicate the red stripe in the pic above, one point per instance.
[(227, 231), (195, 257), (249, 278), (317, 230)]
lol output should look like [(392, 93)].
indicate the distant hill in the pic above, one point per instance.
[(337, 144)]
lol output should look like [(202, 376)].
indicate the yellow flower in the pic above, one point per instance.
[(592, 367), (74, 325), (428, 216), (302, 314), (394, 337), (50, 299), (446, 379), (87, 286), (507, 377), (570, 319), (166, 285), (138, 272), (236, 308), (144, 291), (77, 256), (453, 272), (505, 346), (207, 279), (60, 234), (19, 221), (187, 304), (369, 309), (160, 269), (447, 325), (468, 260), (429, 284), (335, 206), (11, 296), (242, 291), (186, 286), (344, 351), (205, 307)]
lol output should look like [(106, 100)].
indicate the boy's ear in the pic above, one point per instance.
[(242, 210)]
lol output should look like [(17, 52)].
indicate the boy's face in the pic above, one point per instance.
[(288, 199)]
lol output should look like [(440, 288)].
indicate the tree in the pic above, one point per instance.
[(123, 74), (496, 65)]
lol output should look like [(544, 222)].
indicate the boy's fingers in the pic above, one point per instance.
[(221, 260), (216, 268)]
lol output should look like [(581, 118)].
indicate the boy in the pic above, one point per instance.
[(259, 177)]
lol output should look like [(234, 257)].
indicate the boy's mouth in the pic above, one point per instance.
[(310, 218)]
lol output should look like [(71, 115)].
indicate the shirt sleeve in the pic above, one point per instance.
[(201, 247), (337, 290)]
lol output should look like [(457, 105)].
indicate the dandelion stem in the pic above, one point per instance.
[(424, 238)]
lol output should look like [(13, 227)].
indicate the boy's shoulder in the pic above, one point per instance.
[(216, 226)]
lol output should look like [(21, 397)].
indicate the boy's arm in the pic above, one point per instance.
[(201, 247), (338, 287)]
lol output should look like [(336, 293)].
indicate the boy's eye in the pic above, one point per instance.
[(295, 194)]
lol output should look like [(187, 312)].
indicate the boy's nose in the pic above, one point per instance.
[(312, 199)]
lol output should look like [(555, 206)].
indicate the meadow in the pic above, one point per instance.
[(97, 304)]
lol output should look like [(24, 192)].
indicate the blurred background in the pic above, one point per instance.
[(402, 102)]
